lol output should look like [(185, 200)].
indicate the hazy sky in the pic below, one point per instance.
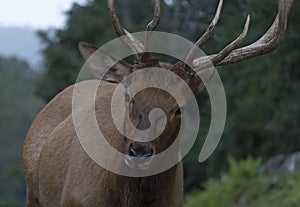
[(34, 13)]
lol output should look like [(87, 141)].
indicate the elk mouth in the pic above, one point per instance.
[(142, 163)]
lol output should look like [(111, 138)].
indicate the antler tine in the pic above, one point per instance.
[(127, 39), (115, 18), (267, 43), (134, 43), (151, 27), (156, 19), (207, 34), (229, 48)]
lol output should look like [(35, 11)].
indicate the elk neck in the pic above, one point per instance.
[(145, 191)]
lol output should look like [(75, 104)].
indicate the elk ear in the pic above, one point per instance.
[(99, 62), (189, 76)]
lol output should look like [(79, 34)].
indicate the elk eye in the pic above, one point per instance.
[(179, 111), (127, 97)]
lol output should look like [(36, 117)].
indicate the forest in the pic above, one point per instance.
[(263, 102)]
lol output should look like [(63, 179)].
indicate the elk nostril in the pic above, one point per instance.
[(132, 152), (150, 153)]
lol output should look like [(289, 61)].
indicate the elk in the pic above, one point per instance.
[(59, 172)]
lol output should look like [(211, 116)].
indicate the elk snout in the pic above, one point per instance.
[(139, 154), (139, 149)]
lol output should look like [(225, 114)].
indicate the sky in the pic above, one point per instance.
[(37, 14)]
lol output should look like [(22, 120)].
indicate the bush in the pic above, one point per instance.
[(241, 186), (229, 188)]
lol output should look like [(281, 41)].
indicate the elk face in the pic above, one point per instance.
[(142, 109), (139, 109), (153, 110)]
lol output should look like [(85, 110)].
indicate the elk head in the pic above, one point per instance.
[(140, 106)]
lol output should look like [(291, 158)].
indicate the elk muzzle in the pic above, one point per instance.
[(139, 154)]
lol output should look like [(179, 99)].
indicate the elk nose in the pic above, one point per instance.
[(139, 149)]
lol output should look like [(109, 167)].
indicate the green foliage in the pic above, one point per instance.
[(262, 93), (18, 107), (230, 187), (293, 186), (263, 99), (5, 203), (241, 186)]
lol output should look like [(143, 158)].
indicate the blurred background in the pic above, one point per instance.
[(257, 162)]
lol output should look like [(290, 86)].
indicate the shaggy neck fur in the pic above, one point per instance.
[(146, 191)]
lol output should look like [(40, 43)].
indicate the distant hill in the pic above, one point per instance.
[(22, 43)]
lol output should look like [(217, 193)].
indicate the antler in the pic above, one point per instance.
[(127, 38), (205, 37), (151, 27), (157, 14), (267, 43)]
